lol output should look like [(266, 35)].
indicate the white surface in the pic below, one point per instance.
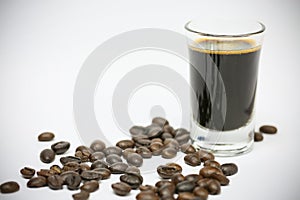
[(44, 43)]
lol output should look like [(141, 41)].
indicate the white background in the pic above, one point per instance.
[(44, 43)]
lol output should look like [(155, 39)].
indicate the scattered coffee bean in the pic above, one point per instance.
[(113, 158), (154, 131), (214, 187), (185, 186), (71, 179), (71, 166), (36, 182), (104, 172), (268, 129), (90, 175), (9, 187), (187, 196), (258, 137), (203, 182), (204, 155), (98, 146), (99, 164), (187, 148), (182, 135), (229, 169), (156, 148), (160, 121), (27, 172), (47, 156), (193, 177), (207, 171), (132, 179), (166, 135), (90, 186), (200, 192), (167, 190), (45, 173), (168, 129), (82, 195), (135, 159), (55, 182), (55, 169), (127, 151), (148, 188), (212, 163), (137, 130), (223, 180), (97, 156), (84, 153), (168, 170), (60, 147), (124, 144), (65, 160), (121, 188), (143, 151), (133, 169), (118, 168), (177, 178), (169, 153), (112, 150), (84, 166), (46, 136), (141, 140), (146, 195), (171, 142), (161, 183), (192, 159)]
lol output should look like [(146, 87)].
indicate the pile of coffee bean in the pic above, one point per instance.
[(265, 129)]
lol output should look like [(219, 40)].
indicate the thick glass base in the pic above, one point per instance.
[(223, 143)]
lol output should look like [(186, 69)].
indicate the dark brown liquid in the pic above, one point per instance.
[(238, 68)]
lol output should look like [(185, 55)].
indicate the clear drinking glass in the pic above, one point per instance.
[(224, 57)]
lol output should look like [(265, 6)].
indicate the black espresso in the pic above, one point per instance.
[(236, 62)]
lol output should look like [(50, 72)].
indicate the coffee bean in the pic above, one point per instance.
[(46, 136), (203, 182), (55, 169), (166, 190), (187, 196), (212, 163), (36, 182), (84, 166), (64, 160), (144, 152), (118, 168), (99, 164), (268, 129), (45, 173), (97, 156), (229, 169), (169, 153), (258, 137), (84, 153), (121, 188), (200, 192), (60, 147), (207, 171), (47, 156), (113, 158), (166, 135), (168, 129), (132, 179), (71, 166), (90, 175), (193, 177), (185, 186), (9, 187), (171, 142), (157, 140), (192, 159), (71, 179), (27, 172), (177, 178), (132, 169), (182, 135), (98, 146), (154, 132), (156, 148), (90, 186), (166, 171), (135, 159), (82, 195), (148, 188), (141, 140), (204, 155), (124, 144), (112, 150), (187, 148), (137, 130), (146, 195), (213, 187), (104, 172), (55, 182), (161, 183), (223, 180), (160, 121)]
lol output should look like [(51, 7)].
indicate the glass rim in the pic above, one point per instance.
[(261, 30)]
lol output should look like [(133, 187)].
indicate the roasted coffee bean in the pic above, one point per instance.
[(203, 182), (65, 160), (168, 129), (82, 195), (84, 166), (166, 190), (112, 150), (97, 156), (135, 159), (156, 148), (98, 145), (133, 169), (143, 151), (192, 159), (214, 187), (160, 121), (193, 177), (157, 140), (132, 179), (154, 132), (90, 186), (121, 188), (127, 151), (9, 187), (113, 158), (148, 188), (268, 129), (146, 195), (204, 155), (44, 172), (166, 171), (36, 182), (124, 144), (171, 142), (187, 148), (229, 169), (169, 153), (212, 163), (258, 137), (55, 169), (223, 180), (71, 179), (161, 183), (200, 192), (90, 175), (71, 166), (84, 153), (207, 171), (185, 186), (137, 130), (166, 135), (46, 136), (55, 182), (27, 172), (177, 178), (118, 168), (99, 164), (141, 140), (105, 173), (47, 156), (60, 147), (182, 135), (187, 196)]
